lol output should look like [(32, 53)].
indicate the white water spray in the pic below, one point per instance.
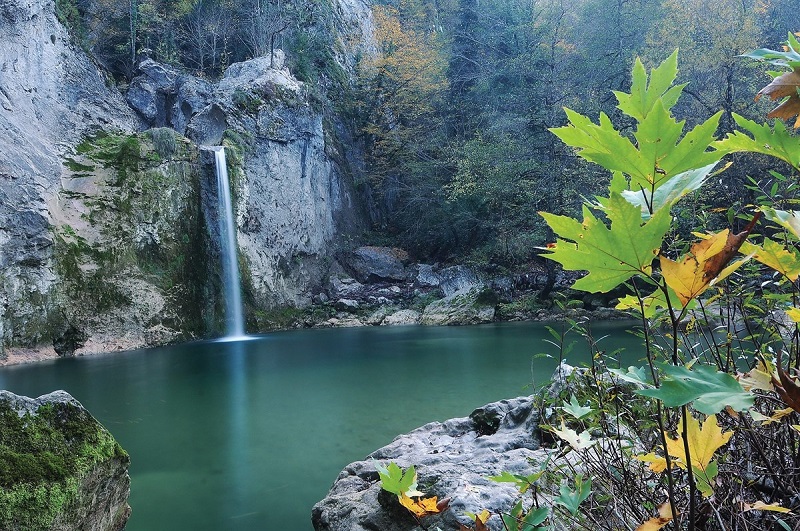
[(234, 322)]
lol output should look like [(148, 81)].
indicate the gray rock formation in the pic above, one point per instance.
[(453, 459), (458, 278), (373, 264), (473, 305), (57, 445), (51, 95)]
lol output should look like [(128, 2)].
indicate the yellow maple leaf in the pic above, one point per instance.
[(778, 414), (703, 442), (773, 254), (761, 506), (657, 463), (704, 264), (664, 517), (420, 506)]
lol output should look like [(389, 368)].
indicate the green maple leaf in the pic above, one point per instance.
[(575, 409), (571, 499), (777, 142), (610, 255), (709, 390), (644, 93), (658, 153)]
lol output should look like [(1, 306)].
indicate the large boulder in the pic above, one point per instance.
[(374, 264), (475, 305), (458, 278), (59, 468), (453, 459)]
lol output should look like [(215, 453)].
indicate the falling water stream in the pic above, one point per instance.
[(234, 322)]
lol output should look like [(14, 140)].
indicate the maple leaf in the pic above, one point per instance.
[(775, 255), (664, 517), (775, 141), (575, 440), (421, 506), (786, 84), (703, 442), (656, 463), (705, 263), (708, 389), (610, 255), (789, 220)]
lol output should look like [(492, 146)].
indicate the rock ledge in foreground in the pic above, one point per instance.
[(452, 458), (60, 469)]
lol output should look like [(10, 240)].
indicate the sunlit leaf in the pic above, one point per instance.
[(778, 414), (703, 442), (793, 314), (420, 506), (708, 389), (395, 481), (670, 191), (775, 255), (610, 255), (664, 517), (759, 377), (655, 463), (761, 506), (789, 220), (576, 441)]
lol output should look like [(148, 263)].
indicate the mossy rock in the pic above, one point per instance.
[(59, 468)]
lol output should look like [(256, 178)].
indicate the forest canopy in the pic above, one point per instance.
[(454, 111)]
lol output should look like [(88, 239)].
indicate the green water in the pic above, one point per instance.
[(249, 435)]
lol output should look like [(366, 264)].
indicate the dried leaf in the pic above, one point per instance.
[(778, 414), (787, 388), (788, 109), (706, 262), (784, 85), (420, 506), (664, 518), (761, 506)]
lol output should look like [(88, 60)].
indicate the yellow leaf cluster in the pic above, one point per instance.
[(703, 264), (420, 506), (703, 442)]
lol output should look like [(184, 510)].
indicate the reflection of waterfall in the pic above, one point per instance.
[(234, 323)]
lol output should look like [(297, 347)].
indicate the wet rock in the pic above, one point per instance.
[(458, 278), (402, 317)]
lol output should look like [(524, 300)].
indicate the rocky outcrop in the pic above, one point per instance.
[(51, 96), (59, 468), (474, 305), (375, 264), (453, 459)]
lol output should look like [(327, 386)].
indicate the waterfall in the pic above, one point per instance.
[(231, 289)]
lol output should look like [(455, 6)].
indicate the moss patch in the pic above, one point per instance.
[(43, 457)]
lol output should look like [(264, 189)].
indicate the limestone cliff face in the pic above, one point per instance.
[(50, 96), (104, 239)]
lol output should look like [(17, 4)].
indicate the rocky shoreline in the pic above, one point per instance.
[(380, 286)]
